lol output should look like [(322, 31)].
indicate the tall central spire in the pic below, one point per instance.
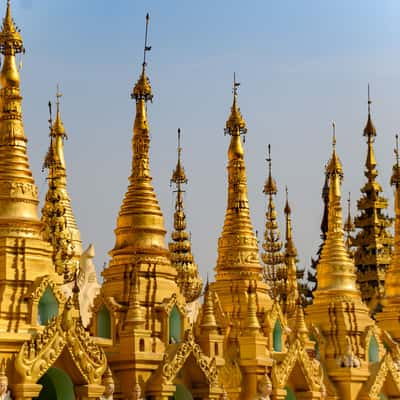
[(238, 258), (140, 277), (140, 248), (18, 192), (140, 221), (237, 246), (335, 270), (292, 296)]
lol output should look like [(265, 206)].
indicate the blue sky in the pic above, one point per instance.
[(301, 65)]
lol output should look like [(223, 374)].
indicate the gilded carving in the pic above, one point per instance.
[(14, 189), (311, 371), (373, 386), (169, 304), (171, 367), (230, 374), (40, 285), (39, 353)]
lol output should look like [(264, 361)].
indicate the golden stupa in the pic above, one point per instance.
[(261, 331)]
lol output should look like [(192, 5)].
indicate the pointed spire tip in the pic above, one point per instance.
[(369, 129), (142, 89), (333, 135), (235, 125), (270, 184)]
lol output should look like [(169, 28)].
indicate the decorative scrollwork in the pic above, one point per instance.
[(311, 371), (40, 286), (172, 366), (39, 353)]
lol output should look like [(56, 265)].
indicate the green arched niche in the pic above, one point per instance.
[(277, 336), (373, 350), (175, 326), (104, 323), (57, 385), (47, 307), (382, 397)]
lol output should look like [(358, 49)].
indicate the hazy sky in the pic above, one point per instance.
[(301, 64)]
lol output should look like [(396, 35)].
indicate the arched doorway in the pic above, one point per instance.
[(57, 385)]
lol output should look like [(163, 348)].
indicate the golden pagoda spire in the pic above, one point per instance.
[(337, 309), (335, 269), (238, 258), (290, 248), (140, 232), (20, 226), (59, 225), (275, 271), (373, 241), (188, 278), (370, 133), (140, 222), (237, 234), (252, 324), (348, 225), (300, 328), (291, 287), (18, 192), (208, 321)]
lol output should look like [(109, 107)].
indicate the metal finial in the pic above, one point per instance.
[(235, 85), (146, 46), (396, 150), (58, 96), (348, 212), (349, 226), (287, 209), (369, 101), (179, 143), (269, 159), (333, 135), (50, 120)]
